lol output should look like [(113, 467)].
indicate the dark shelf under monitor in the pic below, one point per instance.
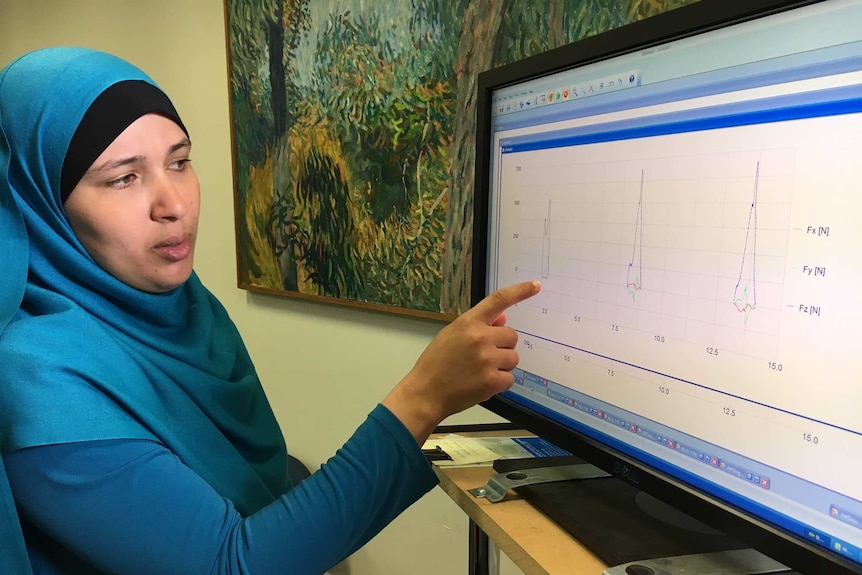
[(614, 519)]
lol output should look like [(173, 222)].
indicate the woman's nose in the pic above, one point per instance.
[(170, 200)]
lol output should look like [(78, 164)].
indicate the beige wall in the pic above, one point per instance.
[(324, 367)]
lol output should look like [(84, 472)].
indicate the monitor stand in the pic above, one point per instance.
[(631, 530)]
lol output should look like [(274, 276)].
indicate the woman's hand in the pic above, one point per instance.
[(469, 361)]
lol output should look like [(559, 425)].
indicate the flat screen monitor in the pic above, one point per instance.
[(688, 189)]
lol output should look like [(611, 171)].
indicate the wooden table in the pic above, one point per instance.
[(537, 545)]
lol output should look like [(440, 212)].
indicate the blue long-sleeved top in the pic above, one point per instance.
[(13, 553), (131, 507)]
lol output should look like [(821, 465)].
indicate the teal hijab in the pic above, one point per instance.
[(86, 357)]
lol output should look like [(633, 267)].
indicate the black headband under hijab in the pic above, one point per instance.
[(106, 118)]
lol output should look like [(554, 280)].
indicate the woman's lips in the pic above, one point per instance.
[(174, 249)]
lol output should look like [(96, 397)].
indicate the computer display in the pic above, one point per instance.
[(688, 189)]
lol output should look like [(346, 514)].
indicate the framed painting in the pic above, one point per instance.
[(352, 126)]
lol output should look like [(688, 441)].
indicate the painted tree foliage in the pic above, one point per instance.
[(354, 128)]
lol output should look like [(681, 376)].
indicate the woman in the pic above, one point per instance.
[(134, 430)]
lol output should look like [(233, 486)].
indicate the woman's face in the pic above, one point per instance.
[(136, 209)]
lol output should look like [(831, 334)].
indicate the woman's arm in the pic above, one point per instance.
[(131, 506), (13, 555)]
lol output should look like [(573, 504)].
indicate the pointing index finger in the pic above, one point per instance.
[(490, 308)]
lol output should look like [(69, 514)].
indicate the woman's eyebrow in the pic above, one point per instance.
[(111, 164), (120, 162), (185, 143)]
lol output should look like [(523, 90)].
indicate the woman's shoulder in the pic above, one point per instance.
[(44, 339), (56, 375)]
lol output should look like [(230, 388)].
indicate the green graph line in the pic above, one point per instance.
[(742, 304)]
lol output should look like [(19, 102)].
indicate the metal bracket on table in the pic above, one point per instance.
[(495, 489), (733, 562)]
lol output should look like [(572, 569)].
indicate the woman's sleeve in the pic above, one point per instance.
[(132, 507), (13, 554)]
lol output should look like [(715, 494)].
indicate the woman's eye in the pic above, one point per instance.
[(122, 182), (180, 164)]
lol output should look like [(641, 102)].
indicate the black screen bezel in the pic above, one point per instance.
[(790, 549)]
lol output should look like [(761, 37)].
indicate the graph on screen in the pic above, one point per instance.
[(717, 248), (666, 254)]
